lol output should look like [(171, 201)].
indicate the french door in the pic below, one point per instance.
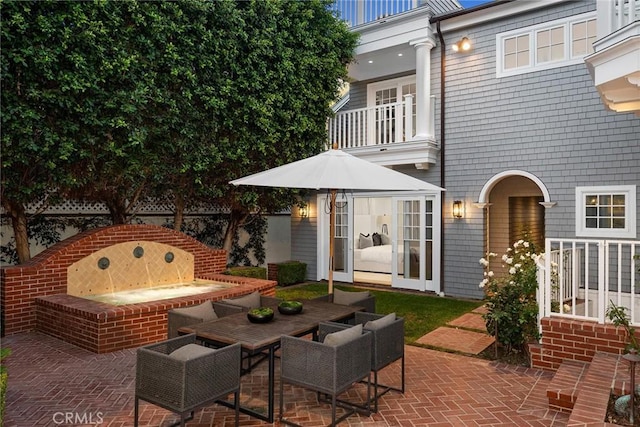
[(343, 241), (414, 242)]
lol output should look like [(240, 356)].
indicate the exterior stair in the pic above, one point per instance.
[(583, 389)]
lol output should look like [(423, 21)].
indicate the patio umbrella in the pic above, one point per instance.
[(335, 170)]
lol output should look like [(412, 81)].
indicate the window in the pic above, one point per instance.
[(583, 34), (552, 44), (606, 212), (516, 52)]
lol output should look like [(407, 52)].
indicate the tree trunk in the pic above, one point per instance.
[(19, 223), (178, 214), (117, 211), (236, 219)]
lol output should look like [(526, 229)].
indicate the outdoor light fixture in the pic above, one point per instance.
[(303, 212), (458, 209), (463, 45)]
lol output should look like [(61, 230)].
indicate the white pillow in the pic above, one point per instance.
[(335, 339), (348, 298), (248, 301), (203, 311), (190, 351), (374, 325)]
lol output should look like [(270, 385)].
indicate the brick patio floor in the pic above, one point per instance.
[(49, 379)]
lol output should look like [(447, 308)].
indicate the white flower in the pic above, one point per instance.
[(512, 270), (483, 283), (509, 260), (505, 257), (490, 274), (484, 262), (518, 265), (526, 244), (492, 254)]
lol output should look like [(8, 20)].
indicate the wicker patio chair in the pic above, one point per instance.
[(181, 376), (327, 369), (244, 303), (387, 346), (361, 299), (187, 316)]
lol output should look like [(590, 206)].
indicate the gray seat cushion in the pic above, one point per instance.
[(190, 351), (202, 311), (341, 337), (348, 298), (380, 323), (248, 301)]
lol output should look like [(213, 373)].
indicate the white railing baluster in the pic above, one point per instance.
[(614, 272)]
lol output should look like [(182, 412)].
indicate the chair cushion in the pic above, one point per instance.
[(348, 298), (335, 339), (374, 325), (248, 301), (203, 311), (190, 351), (377, 240)]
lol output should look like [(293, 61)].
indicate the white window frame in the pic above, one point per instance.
[(533, 31), (629, 232)]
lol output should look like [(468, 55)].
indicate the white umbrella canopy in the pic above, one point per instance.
[(335, 170)]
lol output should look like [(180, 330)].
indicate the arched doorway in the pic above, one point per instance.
[(514, 203)]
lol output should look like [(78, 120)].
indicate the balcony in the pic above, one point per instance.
[(362, 12), (615, 64), (386, 134)]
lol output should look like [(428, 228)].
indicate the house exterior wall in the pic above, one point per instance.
[(549, 123)]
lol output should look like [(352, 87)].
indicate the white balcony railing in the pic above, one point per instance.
[(616, 14), (357, 12), (581, 278), (379, 125)]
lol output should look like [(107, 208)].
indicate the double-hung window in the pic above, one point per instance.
[(608, 212)]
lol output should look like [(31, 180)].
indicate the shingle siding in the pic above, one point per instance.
[(549, 123)]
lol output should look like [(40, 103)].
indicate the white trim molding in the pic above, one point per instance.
[(488, 186)]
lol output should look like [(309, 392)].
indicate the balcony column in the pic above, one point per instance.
[(424, 115)]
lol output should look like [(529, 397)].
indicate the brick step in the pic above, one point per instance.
[(594, 390), (563, 389)]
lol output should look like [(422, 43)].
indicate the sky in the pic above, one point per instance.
[(471, 3)]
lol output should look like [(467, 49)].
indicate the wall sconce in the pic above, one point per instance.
[(303, 211), (463, 45), (458, 209)]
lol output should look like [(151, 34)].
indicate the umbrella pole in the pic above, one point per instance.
[(332, 233)]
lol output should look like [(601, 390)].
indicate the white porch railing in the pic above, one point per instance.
[(615, 14), (357, 12), (580, 278), (379, 125)]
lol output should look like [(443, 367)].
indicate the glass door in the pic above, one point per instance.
[(413, 243), (343, 242)]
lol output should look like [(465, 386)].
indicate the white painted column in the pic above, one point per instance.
[(424, 114)]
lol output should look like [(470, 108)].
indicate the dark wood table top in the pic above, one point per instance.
[(257, 336)]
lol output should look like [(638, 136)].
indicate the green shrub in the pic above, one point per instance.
[(255, 272), (291, 272), (512, 308)]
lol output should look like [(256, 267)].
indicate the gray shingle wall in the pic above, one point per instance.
[(550, 123)]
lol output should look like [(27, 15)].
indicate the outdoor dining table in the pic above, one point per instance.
[(258, 338)]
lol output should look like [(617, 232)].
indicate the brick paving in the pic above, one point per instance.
[(50, 380), (464, 334)]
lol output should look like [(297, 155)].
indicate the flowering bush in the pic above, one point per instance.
[(512, 309)]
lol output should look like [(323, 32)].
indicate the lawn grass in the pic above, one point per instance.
[(422, 313)]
